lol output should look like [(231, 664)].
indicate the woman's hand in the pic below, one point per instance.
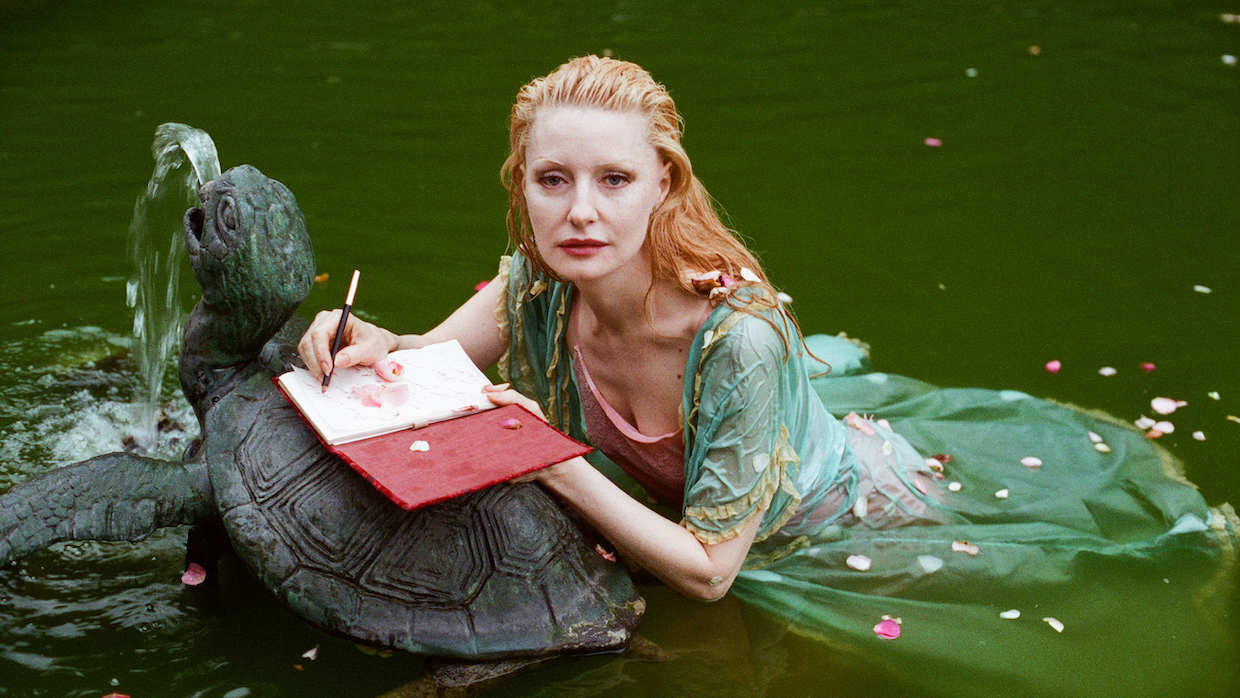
[(503, 395), (362, 344)]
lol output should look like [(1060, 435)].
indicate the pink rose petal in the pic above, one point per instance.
[(388, 370), (510, 423), (481, 285), (888, 629), (1148, 367), (194, 575), (1053, 366), (1165, 405), (372, 400), (933, 142)]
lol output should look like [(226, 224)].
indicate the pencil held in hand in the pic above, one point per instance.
[(344, 320)]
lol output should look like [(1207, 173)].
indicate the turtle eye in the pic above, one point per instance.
[(227, 215)]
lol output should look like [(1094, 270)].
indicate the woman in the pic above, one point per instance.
[(630, 316)]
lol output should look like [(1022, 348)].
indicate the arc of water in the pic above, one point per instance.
[(158, 317)]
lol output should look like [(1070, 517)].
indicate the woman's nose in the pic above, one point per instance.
[(582, 211)]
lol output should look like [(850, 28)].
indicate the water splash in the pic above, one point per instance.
[(156, 248)]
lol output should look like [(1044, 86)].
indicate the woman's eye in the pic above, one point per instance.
[(552, 180), (615, 180)]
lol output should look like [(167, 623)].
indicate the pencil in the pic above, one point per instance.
[(344, 320)]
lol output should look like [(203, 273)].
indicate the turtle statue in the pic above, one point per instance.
[(500, 574)]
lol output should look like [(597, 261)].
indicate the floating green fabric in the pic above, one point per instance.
[(1111, 542)]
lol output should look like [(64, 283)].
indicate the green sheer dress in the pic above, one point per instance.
[(1025, 547)]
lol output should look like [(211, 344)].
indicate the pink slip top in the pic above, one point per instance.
[(656, 462)]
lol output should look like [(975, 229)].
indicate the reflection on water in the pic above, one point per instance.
[(1079, 194)]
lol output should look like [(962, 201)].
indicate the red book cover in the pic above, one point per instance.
[(462, 455)]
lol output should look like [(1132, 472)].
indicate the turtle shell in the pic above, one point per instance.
[(503, 572)]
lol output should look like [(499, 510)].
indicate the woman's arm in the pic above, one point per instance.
[(669, 551), (473, 325)]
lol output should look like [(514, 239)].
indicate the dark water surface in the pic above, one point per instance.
[(1086, 182)]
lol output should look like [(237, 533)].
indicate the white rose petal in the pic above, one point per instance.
[(419, 446), (860, 563), (1058, 626), (1144, 422), (1031, 462), (1002, 494), (929, 563), (760, 462), (1164, 426), (1010, 615), (953, 486), (1107, 371), (1095, 438)]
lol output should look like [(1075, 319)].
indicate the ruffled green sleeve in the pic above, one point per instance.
[(739, 463)]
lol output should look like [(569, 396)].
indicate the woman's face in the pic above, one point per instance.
[(591, 181)]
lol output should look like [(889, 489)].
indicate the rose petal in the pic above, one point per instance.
[(1144, 422), (920, 485), (961, 546), (954, 486), (930, 563), (1199, 435), (312, 653), (748, 275), (1165, 405), (1031, 462), (1164, 426), (1107, 371), (933, 142), (1201, 289), (783, 297), (942, 457), (388, 370), (1148, 367), (481, 285), (888, 629), (510, 423), (1058, 626), (1214, 395), (1102, 448), (194, 575), (860, 563), (1010, 615), (1054, 366), (421, 446), (1094, 437), (1002, 494)]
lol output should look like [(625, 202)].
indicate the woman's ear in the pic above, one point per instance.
[(665, 182)]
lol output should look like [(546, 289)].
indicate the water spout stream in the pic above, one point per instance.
[(153, 290)]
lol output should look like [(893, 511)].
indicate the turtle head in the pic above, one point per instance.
[(252, 256)]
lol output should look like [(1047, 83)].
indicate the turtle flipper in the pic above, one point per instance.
[(117, 496)]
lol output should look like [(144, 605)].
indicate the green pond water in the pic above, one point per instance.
[(1085, 196)]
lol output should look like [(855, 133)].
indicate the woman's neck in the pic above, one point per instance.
[(638, 307)]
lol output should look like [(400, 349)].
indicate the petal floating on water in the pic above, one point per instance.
[(1002, 494), (1201, 289), (1102, 448), (1010, 615), (1164, 426), (933, 142), (1213, 395), (1031, 462), (954, 486), (194, 575), (1144, 422), (1107, 371), (1165, 405), (1148, 367), (1054, 623), (930, 563), (1094, 437), (1054, 366), (312, 653), (1199, 435)]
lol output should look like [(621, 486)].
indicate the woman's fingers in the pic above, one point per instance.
[(503, 395)]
